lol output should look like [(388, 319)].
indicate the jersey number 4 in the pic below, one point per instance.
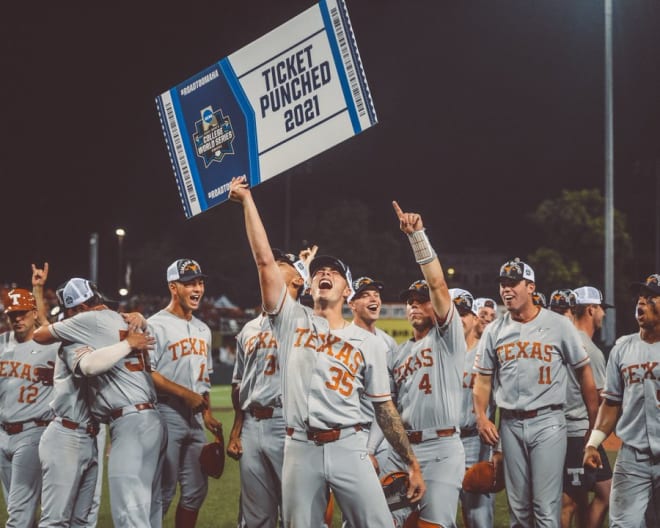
[(425, 384)]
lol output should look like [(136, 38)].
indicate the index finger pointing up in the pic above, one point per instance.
[(397, 210)]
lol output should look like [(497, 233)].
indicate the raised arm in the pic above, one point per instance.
[(270, 279), (411, 224), (39, 276)]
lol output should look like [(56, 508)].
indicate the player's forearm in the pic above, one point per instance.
[(438, 290), (164, 385), (270, 279), (44, 336), (390, 423), (608, 415), (103, 359), (589, 392), (481, 396)]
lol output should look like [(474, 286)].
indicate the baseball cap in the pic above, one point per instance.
[(76, 291), (539, 299), (326, 261), (294, 262), (20, 300), (184, 270), (419, 287), (517, 270), (651, 285), (463, 300), (366, 283), (485, 302), (563, 299), (590, 295)]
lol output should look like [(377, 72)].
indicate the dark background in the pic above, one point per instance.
[(485, 109)]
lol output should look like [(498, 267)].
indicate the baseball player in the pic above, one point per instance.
[(258, 433), (122, 394), (487, 312), (631, 399), (477, 508), (365, 303), (428, 372), (527, 352), (25, 390), (324, 374), (181, 364), (588, 315)]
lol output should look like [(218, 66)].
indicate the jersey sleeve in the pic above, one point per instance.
[(376, 377), (575, 354), (485, 359), (76, 329), (156, 353), (239, 365), (613, 390)]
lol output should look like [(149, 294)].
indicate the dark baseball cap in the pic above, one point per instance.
[(651, 285), (420, 287), (326, 261), (538, 299), (184, 270), (281, 256), (516, 270), (563, 299), (366, 283)]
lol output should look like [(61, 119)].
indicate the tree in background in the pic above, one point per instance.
[(572, 228)]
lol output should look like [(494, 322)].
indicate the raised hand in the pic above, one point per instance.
[(39, 275), (238, 189), (408, 222)]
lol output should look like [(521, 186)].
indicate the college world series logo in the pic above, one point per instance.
[(213, 136)]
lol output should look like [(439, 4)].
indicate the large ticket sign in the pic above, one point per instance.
[(280, 100)]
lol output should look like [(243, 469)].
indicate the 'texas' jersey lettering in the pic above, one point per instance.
[(260, 340), (422, 358), (639, 372), (188, 346), (17, 369), (524, 350), (347, 354)]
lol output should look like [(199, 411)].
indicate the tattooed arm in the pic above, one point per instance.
[(390, 422)]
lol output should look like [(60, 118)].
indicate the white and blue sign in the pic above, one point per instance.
[(271, 105)]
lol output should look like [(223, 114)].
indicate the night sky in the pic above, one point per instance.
[(485, 109)]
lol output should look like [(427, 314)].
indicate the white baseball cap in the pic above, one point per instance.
[(463, 300), (76, 292), (485, 302), (590, 295), (517, 270), (184, 270)]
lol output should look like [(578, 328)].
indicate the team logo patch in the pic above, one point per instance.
[(214, 136)]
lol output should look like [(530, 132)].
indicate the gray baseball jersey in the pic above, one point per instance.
[(257, 368), (23, 403), (577, 418), (527, 362), (324, 375), (633, 380), (326, 372), (68, 488), (125, 396), (428, 374), (128, 382), (182, 355), (257, 373)]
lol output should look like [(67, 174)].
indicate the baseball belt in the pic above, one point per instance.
[(264, 413), (130, 409), (417, 437), (324, 436), (91, 427), (525, 415), (12, 428)]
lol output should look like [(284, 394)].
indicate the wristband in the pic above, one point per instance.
[(596, 438), (421, 247)]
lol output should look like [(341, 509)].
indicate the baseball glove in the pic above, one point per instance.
[(482, 478), (395, 487), (212, 457)]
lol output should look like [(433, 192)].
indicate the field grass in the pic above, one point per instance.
[(220, 510)]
